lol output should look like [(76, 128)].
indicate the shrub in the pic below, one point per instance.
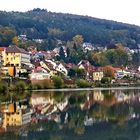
[(20, 86), (3, 88), (81, 83), (58, 82), (106, 80)]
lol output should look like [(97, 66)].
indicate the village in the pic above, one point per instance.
[(37, 69), (37, 65)]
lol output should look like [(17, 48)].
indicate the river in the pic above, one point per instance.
[(77, 114)]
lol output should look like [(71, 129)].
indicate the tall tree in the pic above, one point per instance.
[(78, 40), (62, 53)]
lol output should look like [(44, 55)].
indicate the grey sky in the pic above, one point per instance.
[(119, 10)]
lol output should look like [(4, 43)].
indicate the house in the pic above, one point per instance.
[(56, 67), (15, 56), (87, 46), (98, 75), (60, 68), (122, 73), (39, 76), (49, 66), (89, 69)]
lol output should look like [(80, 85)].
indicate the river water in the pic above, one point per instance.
[(79, 114)]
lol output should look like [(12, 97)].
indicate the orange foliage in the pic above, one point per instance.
[(109, 71)]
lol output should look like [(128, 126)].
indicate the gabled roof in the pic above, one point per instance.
[(15, 49)]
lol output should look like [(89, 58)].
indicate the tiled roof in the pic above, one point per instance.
[(15, 49), (2, 48)]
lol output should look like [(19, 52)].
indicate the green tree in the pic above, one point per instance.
[(100, 59), (72, 73), (80, 73), (58, 82), (81, 83), (62, 53)]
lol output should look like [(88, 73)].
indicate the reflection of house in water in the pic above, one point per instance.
[(15, 115), (40, 100), (91, 98), (47, 105), (89, 101), (120, 96), (88, 121), (98, 96)]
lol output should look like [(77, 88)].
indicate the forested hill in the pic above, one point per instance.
[(43, 24)]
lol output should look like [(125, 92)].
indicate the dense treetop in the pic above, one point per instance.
[(39, 23)]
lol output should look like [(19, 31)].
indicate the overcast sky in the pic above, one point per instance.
[(127, 11)]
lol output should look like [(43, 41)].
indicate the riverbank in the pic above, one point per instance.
[(21, 85)]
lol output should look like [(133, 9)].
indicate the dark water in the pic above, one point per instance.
[(100, 114)]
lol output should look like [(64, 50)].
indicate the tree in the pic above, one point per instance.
[(55, 33), (78, 40), (81, 83), (108, 71), (100, 59), (111, 56), (80, 73), (62, 53), (15, 41), (57, 81), (6, 35), (136, 58), (106, 80), (72, 73), (122, 56)]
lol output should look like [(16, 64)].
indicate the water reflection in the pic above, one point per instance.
[(84, 114)]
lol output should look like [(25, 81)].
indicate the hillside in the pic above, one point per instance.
[(43, 24)]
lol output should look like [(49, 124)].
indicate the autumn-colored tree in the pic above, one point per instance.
[(15, 40), (100, 59), (78, 40), (108, 71), (122, 56)]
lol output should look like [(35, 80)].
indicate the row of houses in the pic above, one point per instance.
[(39, 67)]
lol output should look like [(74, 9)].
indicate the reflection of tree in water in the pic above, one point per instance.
[(76, 121), (58, 96), (98, 111), (76, 100), (113, 119), (15, 96), (119, 113)]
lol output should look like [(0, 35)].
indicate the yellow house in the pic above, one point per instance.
[(97, 75), (14, 56)]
